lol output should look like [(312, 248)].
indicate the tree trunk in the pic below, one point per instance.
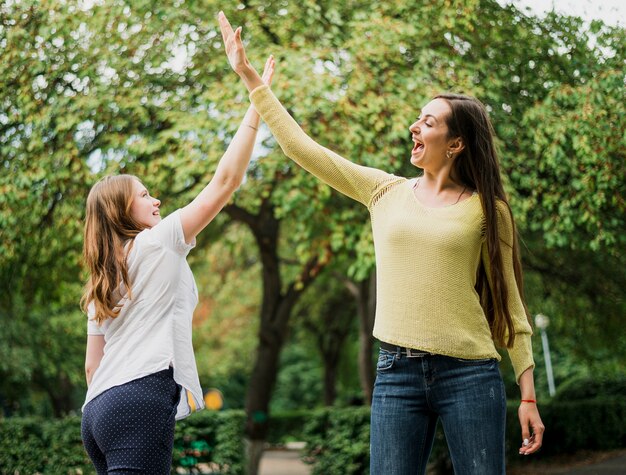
[(276, 308), (365, 294), (262, 382), (330, 379), (254, 452), (60, 393)]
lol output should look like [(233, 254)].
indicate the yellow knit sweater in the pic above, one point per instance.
[(426, 258)]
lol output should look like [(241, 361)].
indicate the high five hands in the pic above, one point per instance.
[(237, 56)]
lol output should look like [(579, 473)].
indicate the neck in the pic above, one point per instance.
[(440, 182)]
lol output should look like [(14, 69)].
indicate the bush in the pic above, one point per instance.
[(589, 387), (593, 424), (31, 445), (338, 439), (214, 438), (288, 426)]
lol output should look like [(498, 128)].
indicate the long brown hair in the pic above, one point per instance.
[(108, 227), (477, 167)]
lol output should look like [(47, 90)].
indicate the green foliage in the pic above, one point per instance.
[(338, 440), (299, 382), (32, 445), (590, 424), (570, 175), (211, 437), (590, 387), (225, 322), (288, 426), (92, 90)]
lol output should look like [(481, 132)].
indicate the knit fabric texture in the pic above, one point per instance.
[(426, 258)]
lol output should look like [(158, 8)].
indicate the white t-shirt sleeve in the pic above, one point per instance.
[(169, 233), (92, 326)]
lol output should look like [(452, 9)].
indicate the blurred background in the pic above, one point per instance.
[(286, 273)]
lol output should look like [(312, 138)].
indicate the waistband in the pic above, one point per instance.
[(408, 352)]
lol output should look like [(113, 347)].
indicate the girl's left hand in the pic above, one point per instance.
[(532, 428), (268, 72)]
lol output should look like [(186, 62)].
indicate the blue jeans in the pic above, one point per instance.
[(411, 394)]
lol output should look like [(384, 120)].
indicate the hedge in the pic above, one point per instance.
[(337, 438), (30, 445)]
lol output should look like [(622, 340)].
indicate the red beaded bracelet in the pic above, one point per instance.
[(529, 400)]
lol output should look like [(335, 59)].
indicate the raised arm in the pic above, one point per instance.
[(358, 182), (229, 173)]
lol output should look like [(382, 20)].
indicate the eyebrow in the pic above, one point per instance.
[(430, 115)]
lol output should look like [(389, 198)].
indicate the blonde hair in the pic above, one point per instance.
[(108, 227)]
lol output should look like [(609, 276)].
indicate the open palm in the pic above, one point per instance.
[(236, 52)]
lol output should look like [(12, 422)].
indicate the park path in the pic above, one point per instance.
[(287, 462), (283, 462)]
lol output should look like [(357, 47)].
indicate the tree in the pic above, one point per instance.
[(43, 183), (146, 90), (327, 314)]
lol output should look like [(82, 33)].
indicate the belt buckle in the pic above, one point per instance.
[(412, 353)]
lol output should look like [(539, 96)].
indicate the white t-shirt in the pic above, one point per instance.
[(153, 328)]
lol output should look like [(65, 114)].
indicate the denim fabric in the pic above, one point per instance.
[(412, 394)]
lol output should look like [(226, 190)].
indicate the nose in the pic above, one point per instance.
[(157, 203), (414, 128)]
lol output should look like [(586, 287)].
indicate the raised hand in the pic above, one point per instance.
[(268, 71), (232, 44), (237, 56)]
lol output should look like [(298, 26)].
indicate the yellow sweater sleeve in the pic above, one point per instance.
[(356, 181), (521, 353)]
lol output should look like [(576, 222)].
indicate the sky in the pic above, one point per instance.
[(612, 12)]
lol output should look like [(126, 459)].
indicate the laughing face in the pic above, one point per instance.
[(144, 208), (430, 136)]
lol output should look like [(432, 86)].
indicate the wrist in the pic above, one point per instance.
[(250, 77), (245, 72)]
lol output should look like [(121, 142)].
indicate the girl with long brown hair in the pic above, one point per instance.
[(140, 296), (449, 283)]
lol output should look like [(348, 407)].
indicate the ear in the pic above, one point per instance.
[(456, 146)]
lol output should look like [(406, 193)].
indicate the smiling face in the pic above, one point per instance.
[(430, 136), (144, 208)]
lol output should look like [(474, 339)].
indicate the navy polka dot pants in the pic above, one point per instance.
[(130, 428)]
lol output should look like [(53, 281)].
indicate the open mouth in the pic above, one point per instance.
[(418, 147), (156, 213)]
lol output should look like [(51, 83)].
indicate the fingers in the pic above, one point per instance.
[(536, 440), (527, 438), (534, 444), (531, 442), (268, 71), (225, 27)]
